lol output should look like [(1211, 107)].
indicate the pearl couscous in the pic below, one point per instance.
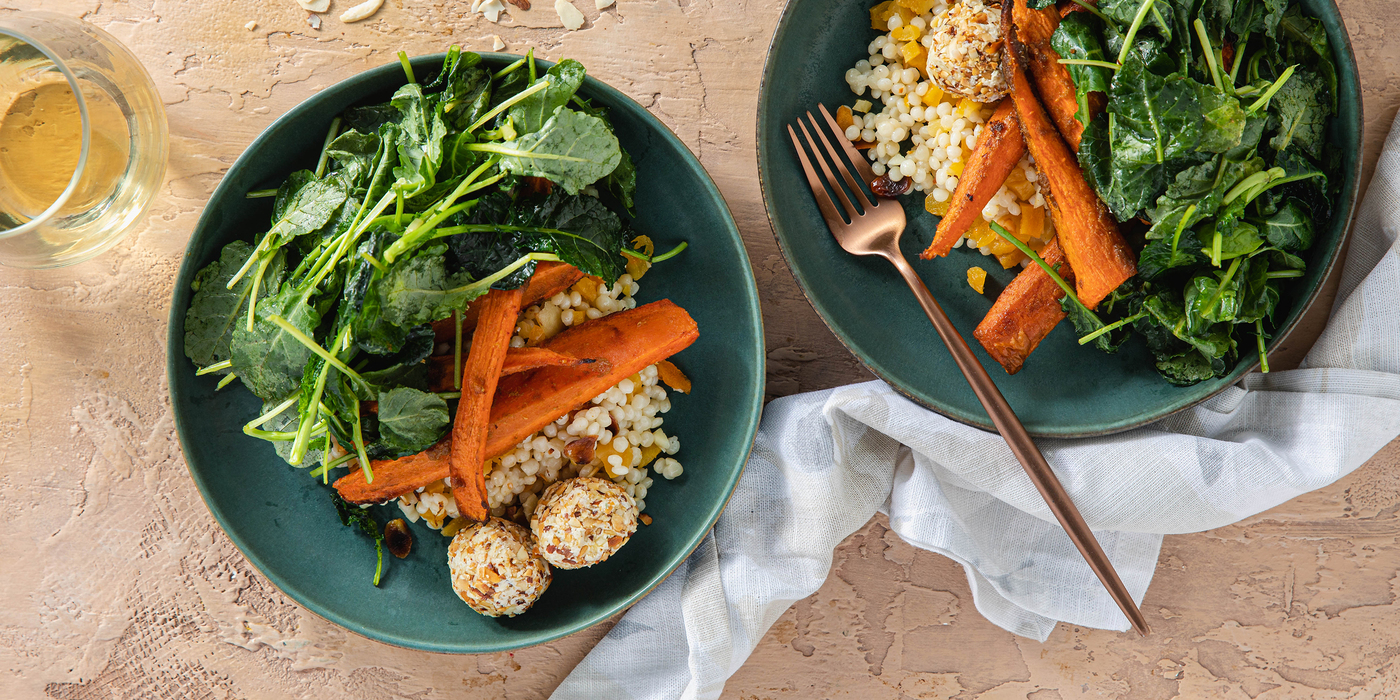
[(621, 428), (915, 126)]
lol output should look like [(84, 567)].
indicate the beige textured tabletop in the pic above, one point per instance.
[(115, 582)]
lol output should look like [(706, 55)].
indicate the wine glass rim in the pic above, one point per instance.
[(63, 197)]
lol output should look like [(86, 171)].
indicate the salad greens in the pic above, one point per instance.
[(1214, 138), (416, 207)]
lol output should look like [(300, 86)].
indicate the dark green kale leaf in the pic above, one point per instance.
[(1311, 191), (1302, 113), (215, 309), (1236, 238), (1305, 41), (462, 89), (1162, 254), (421, 132), (1223, 120), (1185, 369), (354, 516), (622, 181), (1123, 12), (1243, 16), (1213, 298), (1077, 38), (355, 155), (405, 367), (303, 205), (1290, 228), (589, 235), (1260, 295), (1039, 4), (483, 253), (410, 420), (413, 292), (369, 118), (1167, 313), (572, 149), (1156, 119), (268, 359), (1124, 191), (529, 115)]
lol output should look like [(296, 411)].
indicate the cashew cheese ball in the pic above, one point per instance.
[(965, 58), (494, 568), (580, 522)]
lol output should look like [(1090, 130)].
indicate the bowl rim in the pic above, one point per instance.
[(175, 359), (1332, 257)]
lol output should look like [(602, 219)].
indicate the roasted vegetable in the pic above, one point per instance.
[(479, 378), (627, 341), (999, 149), (1086, 230)]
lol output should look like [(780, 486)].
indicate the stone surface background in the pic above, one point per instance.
[(116, 583)]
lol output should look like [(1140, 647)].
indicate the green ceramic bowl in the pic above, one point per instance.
[(1064, 390), (284, 521)]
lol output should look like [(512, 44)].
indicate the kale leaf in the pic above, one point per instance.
[(1290, 228), (216, 309), (268, 359), (1077, 38), (572, 149), (354, 516), (410, 420), (1301, 113), (530, 114)]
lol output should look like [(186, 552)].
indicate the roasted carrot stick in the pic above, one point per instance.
[(1052, 80), (549, 279), (627, 341), (479, 377), (999, 149), (1088, 233), (517, 360), (1025, 312)]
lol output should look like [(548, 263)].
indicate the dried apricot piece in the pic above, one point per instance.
[(673, 376)]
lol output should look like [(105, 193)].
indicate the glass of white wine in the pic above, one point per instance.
[(83, 140)]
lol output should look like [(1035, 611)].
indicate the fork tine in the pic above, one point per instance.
[(854, 154), (840, 165), (824, 203), (830, 177)]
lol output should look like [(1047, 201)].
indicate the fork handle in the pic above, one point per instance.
[(1024, 448)]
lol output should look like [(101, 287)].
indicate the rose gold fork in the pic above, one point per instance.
[(875, 230)]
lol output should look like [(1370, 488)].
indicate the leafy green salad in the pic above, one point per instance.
[(1214, 138), (416, 207)]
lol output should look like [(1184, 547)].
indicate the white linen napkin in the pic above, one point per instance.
[(826, 461)]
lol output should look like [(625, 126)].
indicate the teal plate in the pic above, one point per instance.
[(1063, 390), (284, 521)]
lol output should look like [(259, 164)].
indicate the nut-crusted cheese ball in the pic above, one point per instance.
[(494, 568), (965, 58), (580, 522)]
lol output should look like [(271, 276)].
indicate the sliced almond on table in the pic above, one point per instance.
[(361, 11), (568, 14)]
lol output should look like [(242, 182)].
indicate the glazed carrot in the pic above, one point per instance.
[(999, 149), (1087, 232), (517, 360), (1025, 312), (1052, 80), (479, 377), (627, 341), (549, 279)]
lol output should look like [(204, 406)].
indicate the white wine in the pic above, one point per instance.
[(66, 192), (41, 138)]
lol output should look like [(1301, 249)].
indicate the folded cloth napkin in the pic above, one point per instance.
[(825, 462)]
